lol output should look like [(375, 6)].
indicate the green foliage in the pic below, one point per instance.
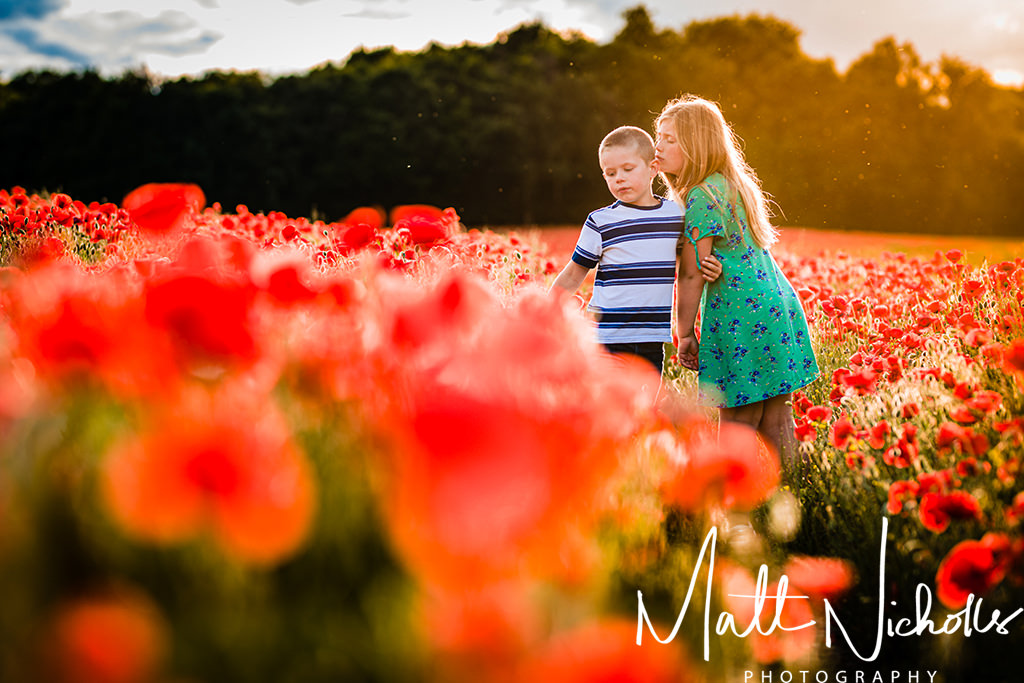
[(506, 133)]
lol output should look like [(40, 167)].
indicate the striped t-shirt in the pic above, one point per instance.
[(634, 250)]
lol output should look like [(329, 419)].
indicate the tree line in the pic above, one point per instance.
[(507, 133)]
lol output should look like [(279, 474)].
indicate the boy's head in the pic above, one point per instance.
[(627, 163)]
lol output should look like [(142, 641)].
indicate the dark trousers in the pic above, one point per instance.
[(653, 352)]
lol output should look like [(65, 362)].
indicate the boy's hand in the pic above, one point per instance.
[(710, 268), (686, 352)]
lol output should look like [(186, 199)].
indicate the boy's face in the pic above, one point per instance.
[(628, 175)]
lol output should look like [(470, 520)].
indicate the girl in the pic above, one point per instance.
[(756, 345)]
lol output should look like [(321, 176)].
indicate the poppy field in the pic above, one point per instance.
[(241, 446)]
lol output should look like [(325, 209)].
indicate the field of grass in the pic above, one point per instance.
[(826, 243)]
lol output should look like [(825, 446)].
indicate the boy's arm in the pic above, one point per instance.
[(571, 277), (689, 287)]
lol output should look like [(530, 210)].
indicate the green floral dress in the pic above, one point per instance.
[(754, 341)]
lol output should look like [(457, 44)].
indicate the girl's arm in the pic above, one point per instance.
[(690, 284)]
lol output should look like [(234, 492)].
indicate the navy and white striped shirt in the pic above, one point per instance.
[(634, 251)]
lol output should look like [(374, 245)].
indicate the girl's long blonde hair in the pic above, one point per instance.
[(710, 146)]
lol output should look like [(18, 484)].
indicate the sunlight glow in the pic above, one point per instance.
[(1010, 78)]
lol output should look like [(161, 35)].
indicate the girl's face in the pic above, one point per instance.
[(668, 154)]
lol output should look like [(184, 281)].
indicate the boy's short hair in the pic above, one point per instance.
[(630, 136)]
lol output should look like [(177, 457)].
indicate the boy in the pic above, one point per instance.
[(632, 243)]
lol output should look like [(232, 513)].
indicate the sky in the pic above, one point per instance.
[(179, 37)]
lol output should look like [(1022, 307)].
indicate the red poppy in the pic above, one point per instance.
[(160, 208), (90, 328), (208, 316), (954, 255), (485, 476), (804, 429), (371, 217), (423, 212), (905, 451), (970, 467), (938, 509), (950, 436), (1015, 513), (734, 471), (863, 381), (354, 237), (485, 630), (801, 404), (963, 415), (978, 337), (607, 651), (222, 464), (286, 286), (986, 402), (909, 409), (790, 642), (964, 390), (820, 578), (1013, 356), (934, 482), (819, 413), (972, 289), (423, 224), (878, 435), (971, 568), (901, 492), (110, 637), (842, 431)]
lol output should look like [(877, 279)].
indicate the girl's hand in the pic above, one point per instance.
[(710, 268), (686, 352)]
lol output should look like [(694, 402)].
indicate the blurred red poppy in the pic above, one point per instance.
[(606, 652), (938, 509), (424, 212), (986, 402), (286, 286), (909, 409), (842, 431), (819, 413), (370, 216), (222, 464), (1013, 356), (878, 435), (208, 316), (899, 493), (905, 451), (971, 568), (820, 578), (950, 436), (160, 208), (75, 327), (354, 237), (734, 470), (862, 381), (805, 429), (503, 421), (108, 637)]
